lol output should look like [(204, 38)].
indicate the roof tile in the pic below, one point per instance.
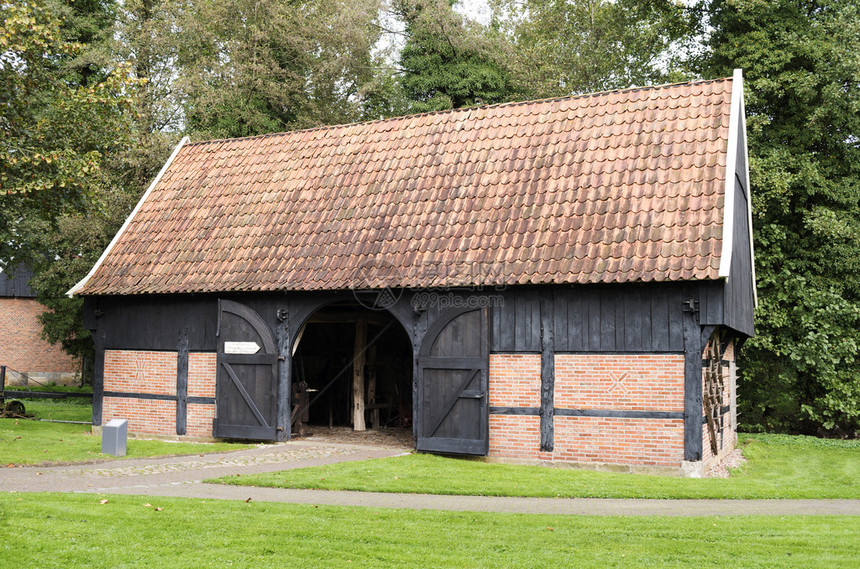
[(621, 186)]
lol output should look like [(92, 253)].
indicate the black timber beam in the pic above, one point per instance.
[(692, 381), (182, 383), (547, 374), (98, 376), (285, 357)]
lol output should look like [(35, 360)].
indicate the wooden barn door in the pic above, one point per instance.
[(452, 385), (246, 392)]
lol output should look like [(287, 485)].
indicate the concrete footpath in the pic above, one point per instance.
[(182, 477)]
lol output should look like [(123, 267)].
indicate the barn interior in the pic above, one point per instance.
[(346, 353)]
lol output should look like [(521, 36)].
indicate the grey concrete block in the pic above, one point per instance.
[(114, 436)]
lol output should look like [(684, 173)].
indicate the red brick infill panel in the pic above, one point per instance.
[(199, 421), (515, 437), (515, 380), (620, 382), (629, 382), (648, 442), (152, 372), (202, 368), (137, 371), (143, 415)]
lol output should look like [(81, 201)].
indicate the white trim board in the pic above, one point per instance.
[(731, 168), (72, 291), (737, 124)]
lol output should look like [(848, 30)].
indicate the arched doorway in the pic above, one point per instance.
[(352, 367)]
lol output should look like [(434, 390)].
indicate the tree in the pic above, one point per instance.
[(148, 35), (258, 66), (58, 136), (447, 62), (54, 132), (801, 59), (582, 46), (87, 23)]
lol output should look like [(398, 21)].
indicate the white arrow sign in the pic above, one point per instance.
[(241, 348)]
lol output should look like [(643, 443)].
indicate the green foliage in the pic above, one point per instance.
[(251, 67), (55, 133), (447, 63), (565, 47), (87, 22), (802, 65)]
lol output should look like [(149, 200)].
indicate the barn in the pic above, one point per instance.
[(25, 357), (563, 280)]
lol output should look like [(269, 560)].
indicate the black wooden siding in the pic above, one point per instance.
[(16, 283), (598, 318), (738, 292)]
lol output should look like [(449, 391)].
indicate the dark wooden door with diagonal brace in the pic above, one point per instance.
[(246, 393), (452, 386)]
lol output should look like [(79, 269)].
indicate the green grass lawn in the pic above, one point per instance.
[(34, 442), (60, 409), (73, 530), (778, 466)]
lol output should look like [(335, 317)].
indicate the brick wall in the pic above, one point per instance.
[(144, 415), (515, 380), (622, 382), (515, 436), (21, 346), (154, 373), (628, 382), (199, 420), (202, 367), (648, 442), (132, 371)]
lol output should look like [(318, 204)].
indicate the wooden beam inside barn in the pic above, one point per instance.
[(371, 387), (358, 376)]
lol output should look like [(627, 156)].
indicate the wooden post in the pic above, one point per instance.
[(371, 386), (547, 373), (182, 383), (98, 377), (2, 384), (693, 406), (285, 386), (358, 376)]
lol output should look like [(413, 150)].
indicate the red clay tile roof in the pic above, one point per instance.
[(614, 187)]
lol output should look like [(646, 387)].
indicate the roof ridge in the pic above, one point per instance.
[(462, 109)]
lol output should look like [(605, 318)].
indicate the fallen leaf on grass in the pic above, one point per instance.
[(147, 505), (103, 501), (248, 500), (158, 509)]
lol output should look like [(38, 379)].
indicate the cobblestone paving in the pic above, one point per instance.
[(165, 471), (289, 454)]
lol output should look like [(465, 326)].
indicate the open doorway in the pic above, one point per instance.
[(353, 367)]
